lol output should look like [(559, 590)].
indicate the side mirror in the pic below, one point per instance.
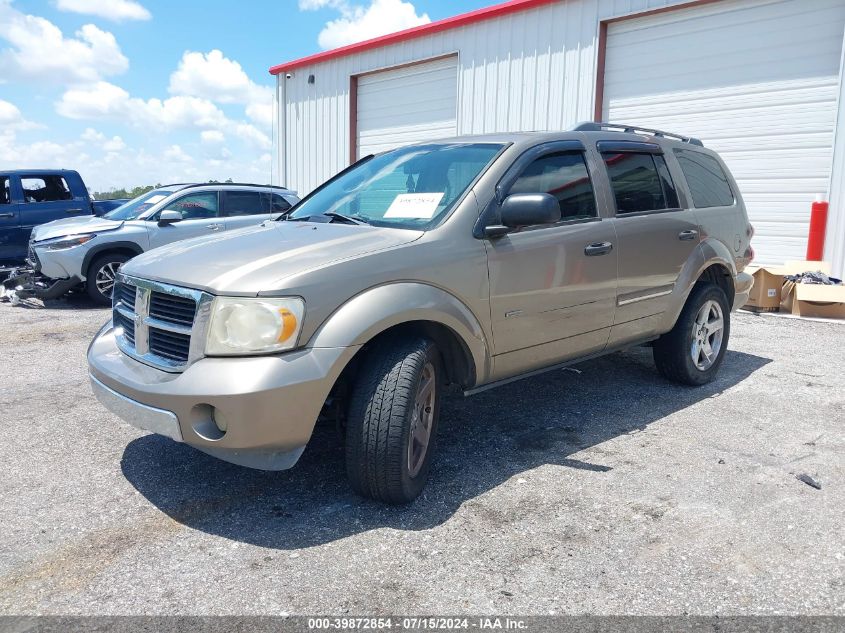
[(525, 209), (167, 218)]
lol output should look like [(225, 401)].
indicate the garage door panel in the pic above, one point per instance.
[(712, 72), (407, 105)]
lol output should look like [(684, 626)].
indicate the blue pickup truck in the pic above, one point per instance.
[(32, 197)]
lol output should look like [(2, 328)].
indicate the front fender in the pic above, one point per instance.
[(375, 310)]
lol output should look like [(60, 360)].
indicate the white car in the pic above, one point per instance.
[(89, 250)]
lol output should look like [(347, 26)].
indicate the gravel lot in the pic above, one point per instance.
[(598, 489)]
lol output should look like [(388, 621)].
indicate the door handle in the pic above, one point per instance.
[(690, 234), (214, 227), (598, 248), (7, 215), (74, 210)]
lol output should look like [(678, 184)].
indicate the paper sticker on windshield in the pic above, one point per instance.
[(153, 199), (414, 205)]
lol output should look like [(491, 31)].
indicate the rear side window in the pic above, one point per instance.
[(564, 175), (45, 189), (640, 182), (707, 181), (244, 203), (274, 203), (5, 196)]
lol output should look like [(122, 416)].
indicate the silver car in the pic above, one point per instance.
[(463, 263), (89, 250)]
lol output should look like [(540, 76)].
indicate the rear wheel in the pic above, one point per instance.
[(692, 352), (101, 276), (392, 420)]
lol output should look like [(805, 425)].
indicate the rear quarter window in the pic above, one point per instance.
[(707, 181)]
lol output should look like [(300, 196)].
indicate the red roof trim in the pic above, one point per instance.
[(487, 13)]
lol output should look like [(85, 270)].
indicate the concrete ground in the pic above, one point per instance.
[(599, 489)]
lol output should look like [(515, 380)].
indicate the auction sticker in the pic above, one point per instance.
[(414, 205)]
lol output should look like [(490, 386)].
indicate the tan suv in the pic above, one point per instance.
[(461, 263)]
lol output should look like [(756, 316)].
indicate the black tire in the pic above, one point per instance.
[(673, 352), (381, 415), (98, 265)]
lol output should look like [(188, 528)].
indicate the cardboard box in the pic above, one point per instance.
[(766, 292), (772, 293)]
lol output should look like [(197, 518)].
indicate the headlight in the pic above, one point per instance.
[(253, 326), (67, 242)]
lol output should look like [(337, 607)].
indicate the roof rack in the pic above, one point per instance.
[(590, 126), (235, 184)]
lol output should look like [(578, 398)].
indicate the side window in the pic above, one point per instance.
[(5, 194), (244, 203), (565, 176), (707, 181), (640, 182), (274, 203), (196, 205), (45, 189)]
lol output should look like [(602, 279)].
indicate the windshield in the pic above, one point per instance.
[(136, 207), (409, 188)]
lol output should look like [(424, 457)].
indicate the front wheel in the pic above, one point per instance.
[(392, 423), (102, 274), (692, 352)]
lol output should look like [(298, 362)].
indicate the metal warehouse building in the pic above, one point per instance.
[(760, 81)]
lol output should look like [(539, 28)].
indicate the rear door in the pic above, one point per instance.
[(200, 216), (244, 208), (657, 234), (13, 241), (552, 287)]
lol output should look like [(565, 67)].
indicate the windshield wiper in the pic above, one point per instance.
[(345, 218)]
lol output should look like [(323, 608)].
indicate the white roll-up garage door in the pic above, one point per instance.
[(407, 105), (757, 81)]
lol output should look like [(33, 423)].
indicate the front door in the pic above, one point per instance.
[(552, 287), (657, 235), (200, 216)]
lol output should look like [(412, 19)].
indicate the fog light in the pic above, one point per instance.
[(220, 420)]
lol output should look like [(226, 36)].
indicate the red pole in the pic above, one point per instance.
[(818, 223)]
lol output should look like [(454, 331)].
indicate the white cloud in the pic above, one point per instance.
[(39, 52), (176, 153), (212, 136), (12, 119), (357, 23), (217, 78), (261, 113), (105, 100), (117, 10), (114, 144)]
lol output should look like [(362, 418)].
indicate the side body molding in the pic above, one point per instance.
[(377, 309)]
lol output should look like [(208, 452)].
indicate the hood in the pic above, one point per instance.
[(74, 226), (255, 259)]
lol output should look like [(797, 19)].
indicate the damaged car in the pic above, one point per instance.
[(86, 252)]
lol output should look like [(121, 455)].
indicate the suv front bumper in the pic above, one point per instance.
[(742, 289), (270, 403)]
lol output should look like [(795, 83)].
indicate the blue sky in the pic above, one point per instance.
[(133, 92)]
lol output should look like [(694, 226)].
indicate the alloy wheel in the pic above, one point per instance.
[(707, 332), (422, 420)]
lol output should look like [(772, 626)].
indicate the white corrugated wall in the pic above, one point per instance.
[(531, 70), (835, 236)]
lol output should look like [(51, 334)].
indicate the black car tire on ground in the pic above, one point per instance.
[(674, 352), (393, 411), (101, 267)]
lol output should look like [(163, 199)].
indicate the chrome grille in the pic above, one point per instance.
[(159, 324), (172, 308)]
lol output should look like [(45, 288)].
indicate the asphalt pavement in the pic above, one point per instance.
[(597, 489)]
